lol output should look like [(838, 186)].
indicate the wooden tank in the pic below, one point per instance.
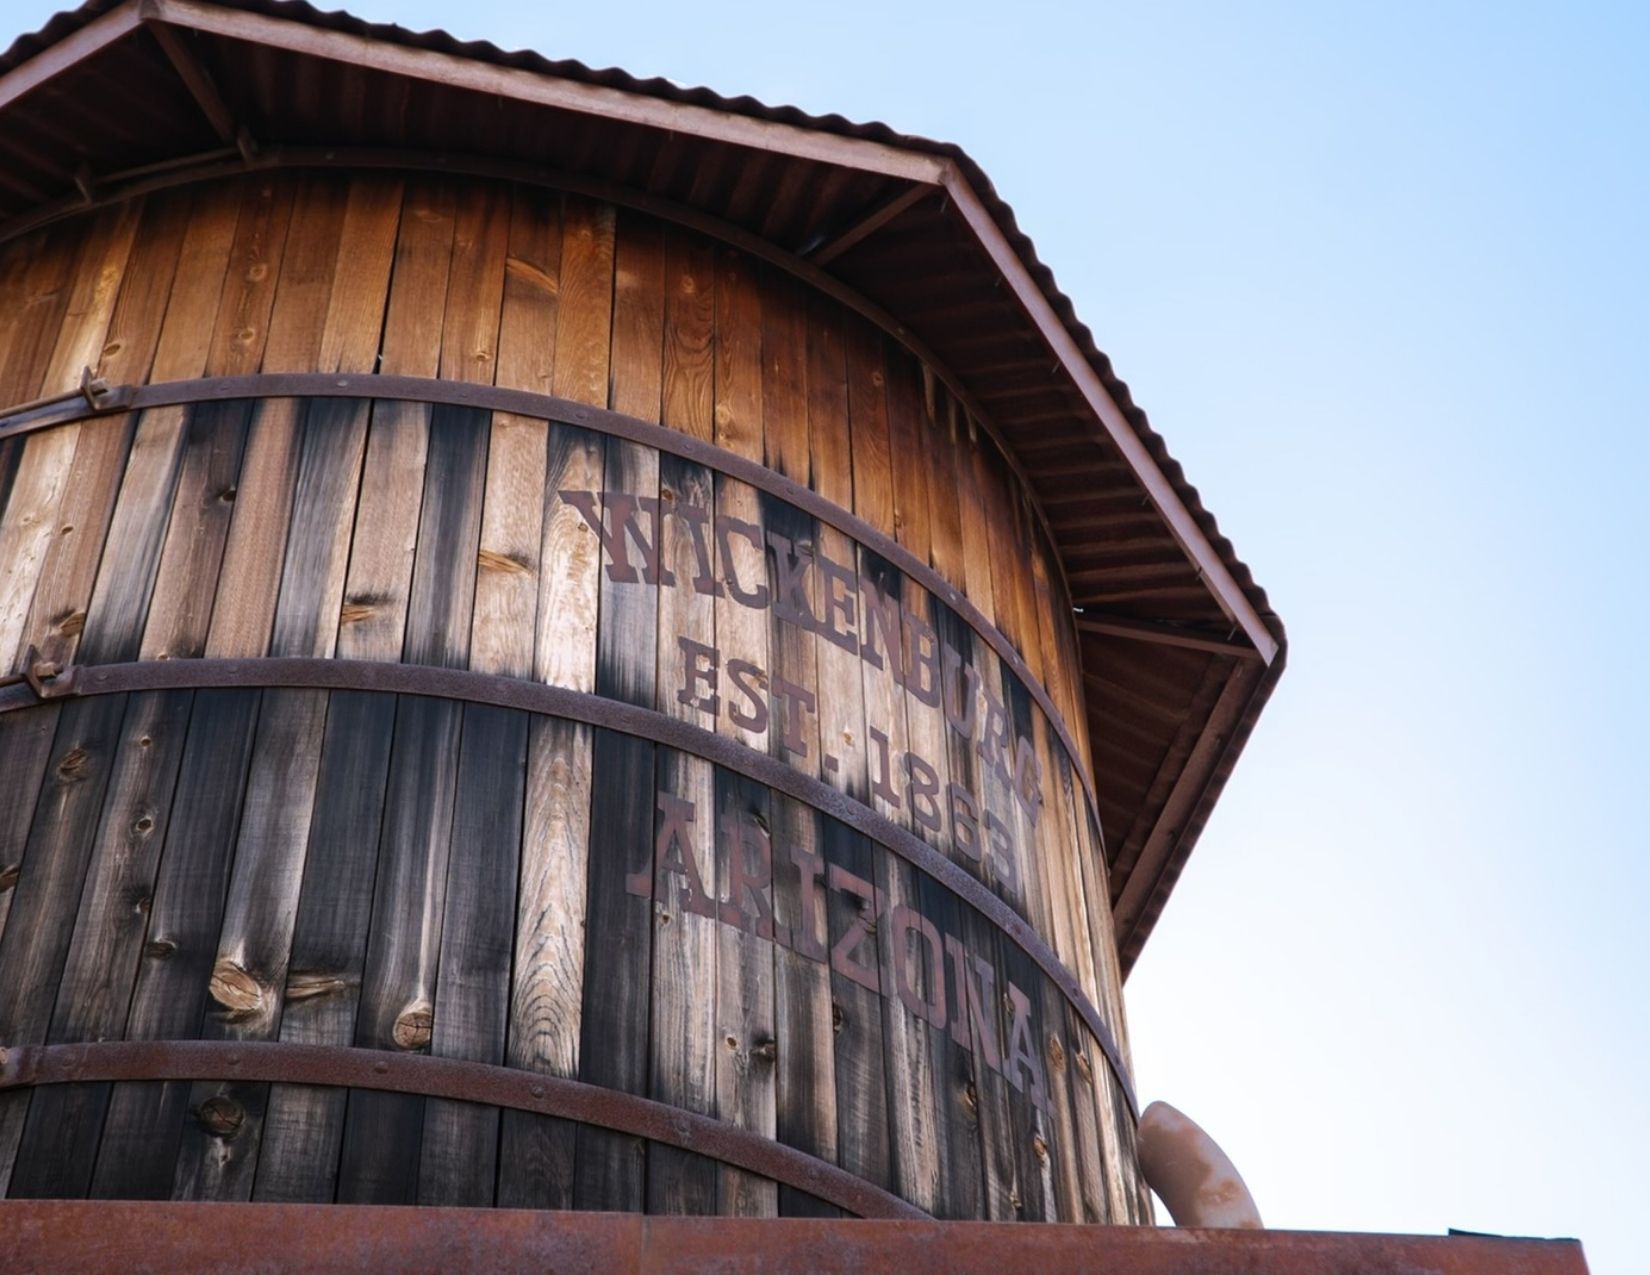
[(521, 702)]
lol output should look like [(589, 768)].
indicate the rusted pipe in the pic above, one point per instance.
[(1191, 1174)]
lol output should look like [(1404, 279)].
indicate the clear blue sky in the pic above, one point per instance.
[(1381, 276)]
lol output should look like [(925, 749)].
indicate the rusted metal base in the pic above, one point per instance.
[(63, 1235)]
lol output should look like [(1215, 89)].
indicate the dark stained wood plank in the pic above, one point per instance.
[(442, 597), (25, 747), (219, 1151), (179, 610), (141, 1132), (304, 1125), (255, 550), (862, 1097), (323, 517), (459, 1153), (746, 1081), (610, 1170), (60, 1140), (684, 1040), (53, 870), (383, 1131)]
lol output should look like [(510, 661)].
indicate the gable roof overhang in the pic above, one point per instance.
[(1180, 648)]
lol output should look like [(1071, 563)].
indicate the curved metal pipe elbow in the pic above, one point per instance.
[(1190, 1173)]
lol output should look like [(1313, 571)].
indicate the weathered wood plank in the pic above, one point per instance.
[(684, 1040), (138, 1153), (304, 1125), (475, 284), (868, 428), (550, 936), (383, 1132), (372, 623), (78, 316), (324, 498), (219, 1151), (194, 302), (53, 870), (25, 748), (195, 525), (690, 334), (442, 597), (361, 275), (746, 1084), (60, 1139), (614, 1019), (459, 1154), (58, 612)]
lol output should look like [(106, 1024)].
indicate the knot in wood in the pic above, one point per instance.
[(221, 1116), (768, 1050), (9, 875), (236, 990), (1039, 1147), (414, 1025), (72, 768), (1056, 1052), (307, 984)]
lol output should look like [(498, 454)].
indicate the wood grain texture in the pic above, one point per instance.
[(144, 1124), (459, 1154), (383, 1132), (219, 1151), (60, 1141), (304, 1126), (48, 889)]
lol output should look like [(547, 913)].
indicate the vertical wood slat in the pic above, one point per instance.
[(36, 941), (60, 1141), (613, 1050), (138, 1152), (219, 1151), (303, 1126), (76, 317), (547, 1024)]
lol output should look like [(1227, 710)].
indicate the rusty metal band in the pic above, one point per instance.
[(344, 1066), (594, 710), (418, 389)]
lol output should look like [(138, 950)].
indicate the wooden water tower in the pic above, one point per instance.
[(577, 644)]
